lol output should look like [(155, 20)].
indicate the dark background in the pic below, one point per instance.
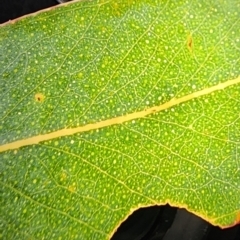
[(153, 223), (11, 9)]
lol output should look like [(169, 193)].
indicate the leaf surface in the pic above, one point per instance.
[(107, 106)]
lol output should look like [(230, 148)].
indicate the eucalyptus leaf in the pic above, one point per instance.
[(108, 106)]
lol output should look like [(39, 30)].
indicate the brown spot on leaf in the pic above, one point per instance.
[(39, 97), (190, 42), (238, 218)]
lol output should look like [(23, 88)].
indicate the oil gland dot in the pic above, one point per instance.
[(39, 97)]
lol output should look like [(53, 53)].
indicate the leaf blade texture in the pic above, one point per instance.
[(93, 61)]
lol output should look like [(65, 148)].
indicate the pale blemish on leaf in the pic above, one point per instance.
[(72, 188), (63, 176)]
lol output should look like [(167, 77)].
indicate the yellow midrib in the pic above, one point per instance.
[(117, 120)]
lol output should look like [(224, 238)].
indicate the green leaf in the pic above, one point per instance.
[(107, 106)]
